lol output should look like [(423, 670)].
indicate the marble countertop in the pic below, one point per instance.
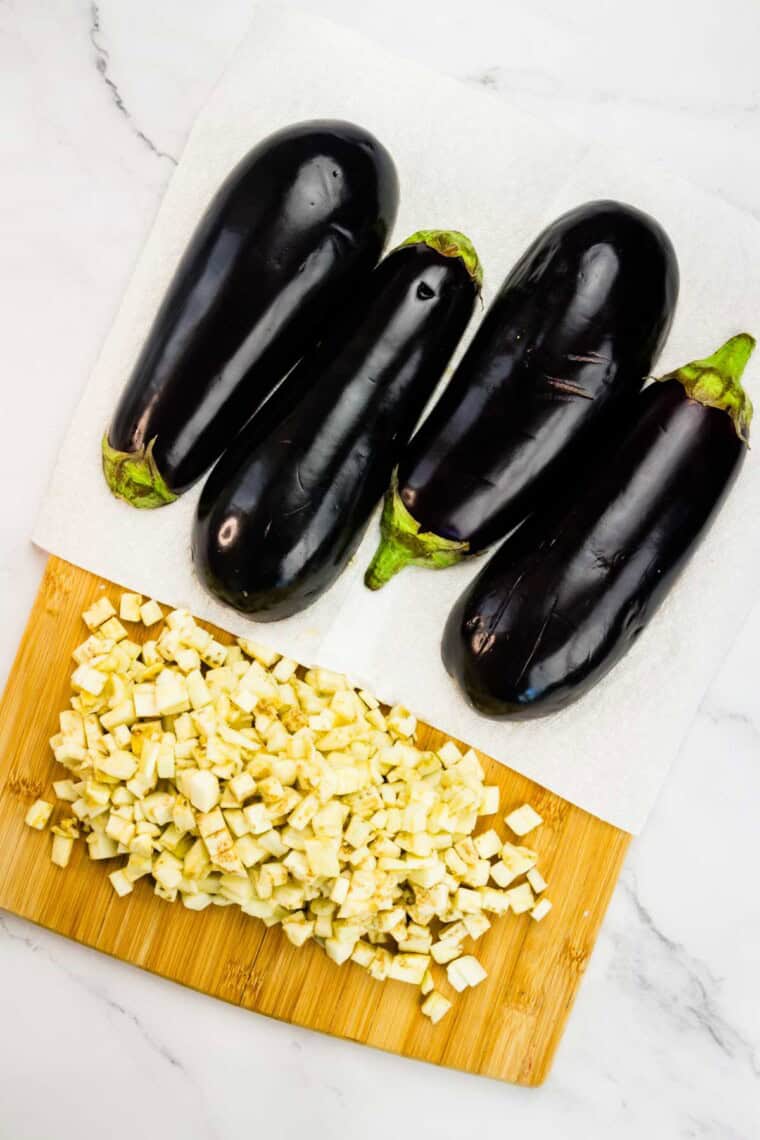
[(665, 1037)]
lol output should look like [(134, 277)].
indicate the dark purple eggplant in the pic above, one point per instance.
[(284, 509), (564, 598), (568, 340), (295, 227)]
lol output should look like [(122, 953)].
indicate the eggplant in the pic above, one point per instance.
[(284, 510), (292, 231), (567, 594), (568, 340)]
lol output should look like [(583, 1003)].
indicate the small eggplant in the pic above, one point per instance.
[(295, 227), (568, 340), (286, 507), (563, 599)]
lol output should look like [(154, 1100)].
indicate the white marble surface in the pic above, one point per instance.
[(665, 1038)]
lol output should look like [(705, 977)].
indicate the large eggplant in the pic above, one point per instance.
[(568, 340), (299, 222), (284, 510), (567, 594)]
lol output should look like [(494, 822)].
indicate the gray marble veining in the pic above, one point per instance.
[(102, 65)]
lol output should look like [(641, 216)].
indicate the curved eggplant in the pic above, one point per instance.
[(563, 599), (284, 510), (569, 338), (299, 222)]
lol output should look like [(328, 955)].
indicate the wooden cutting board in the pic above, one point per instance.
[(508, 1027)]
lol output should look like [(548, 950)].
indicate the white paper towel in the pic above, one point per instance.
[(465, 161)]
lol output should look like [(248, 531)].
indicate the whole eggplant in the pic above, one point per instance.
[(299, 222), (569, 338), (564, 598), (284, 510)]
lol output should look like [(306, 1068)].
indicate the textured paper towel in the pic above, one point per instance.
[(466, 161)]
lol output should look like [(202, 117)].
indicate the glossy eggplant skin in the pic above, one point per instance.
[(299, 222), (284, 510), (569, 338), (566, 595)]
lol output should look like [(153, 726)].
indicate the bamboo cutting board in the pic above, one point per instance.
[(508, 1027)]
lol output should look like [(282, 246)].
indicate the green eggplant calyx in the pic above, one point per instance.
[(134, 476), (716, 381), (402, 543), (451, 243)]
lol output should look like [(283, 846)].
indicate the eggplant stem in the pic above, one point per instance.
[(134, 476), (716, 381), (390, 557), (451, 243), (402, 543)]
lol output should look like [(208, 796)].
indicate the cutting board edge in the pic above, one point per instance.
[(541, 1075)]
